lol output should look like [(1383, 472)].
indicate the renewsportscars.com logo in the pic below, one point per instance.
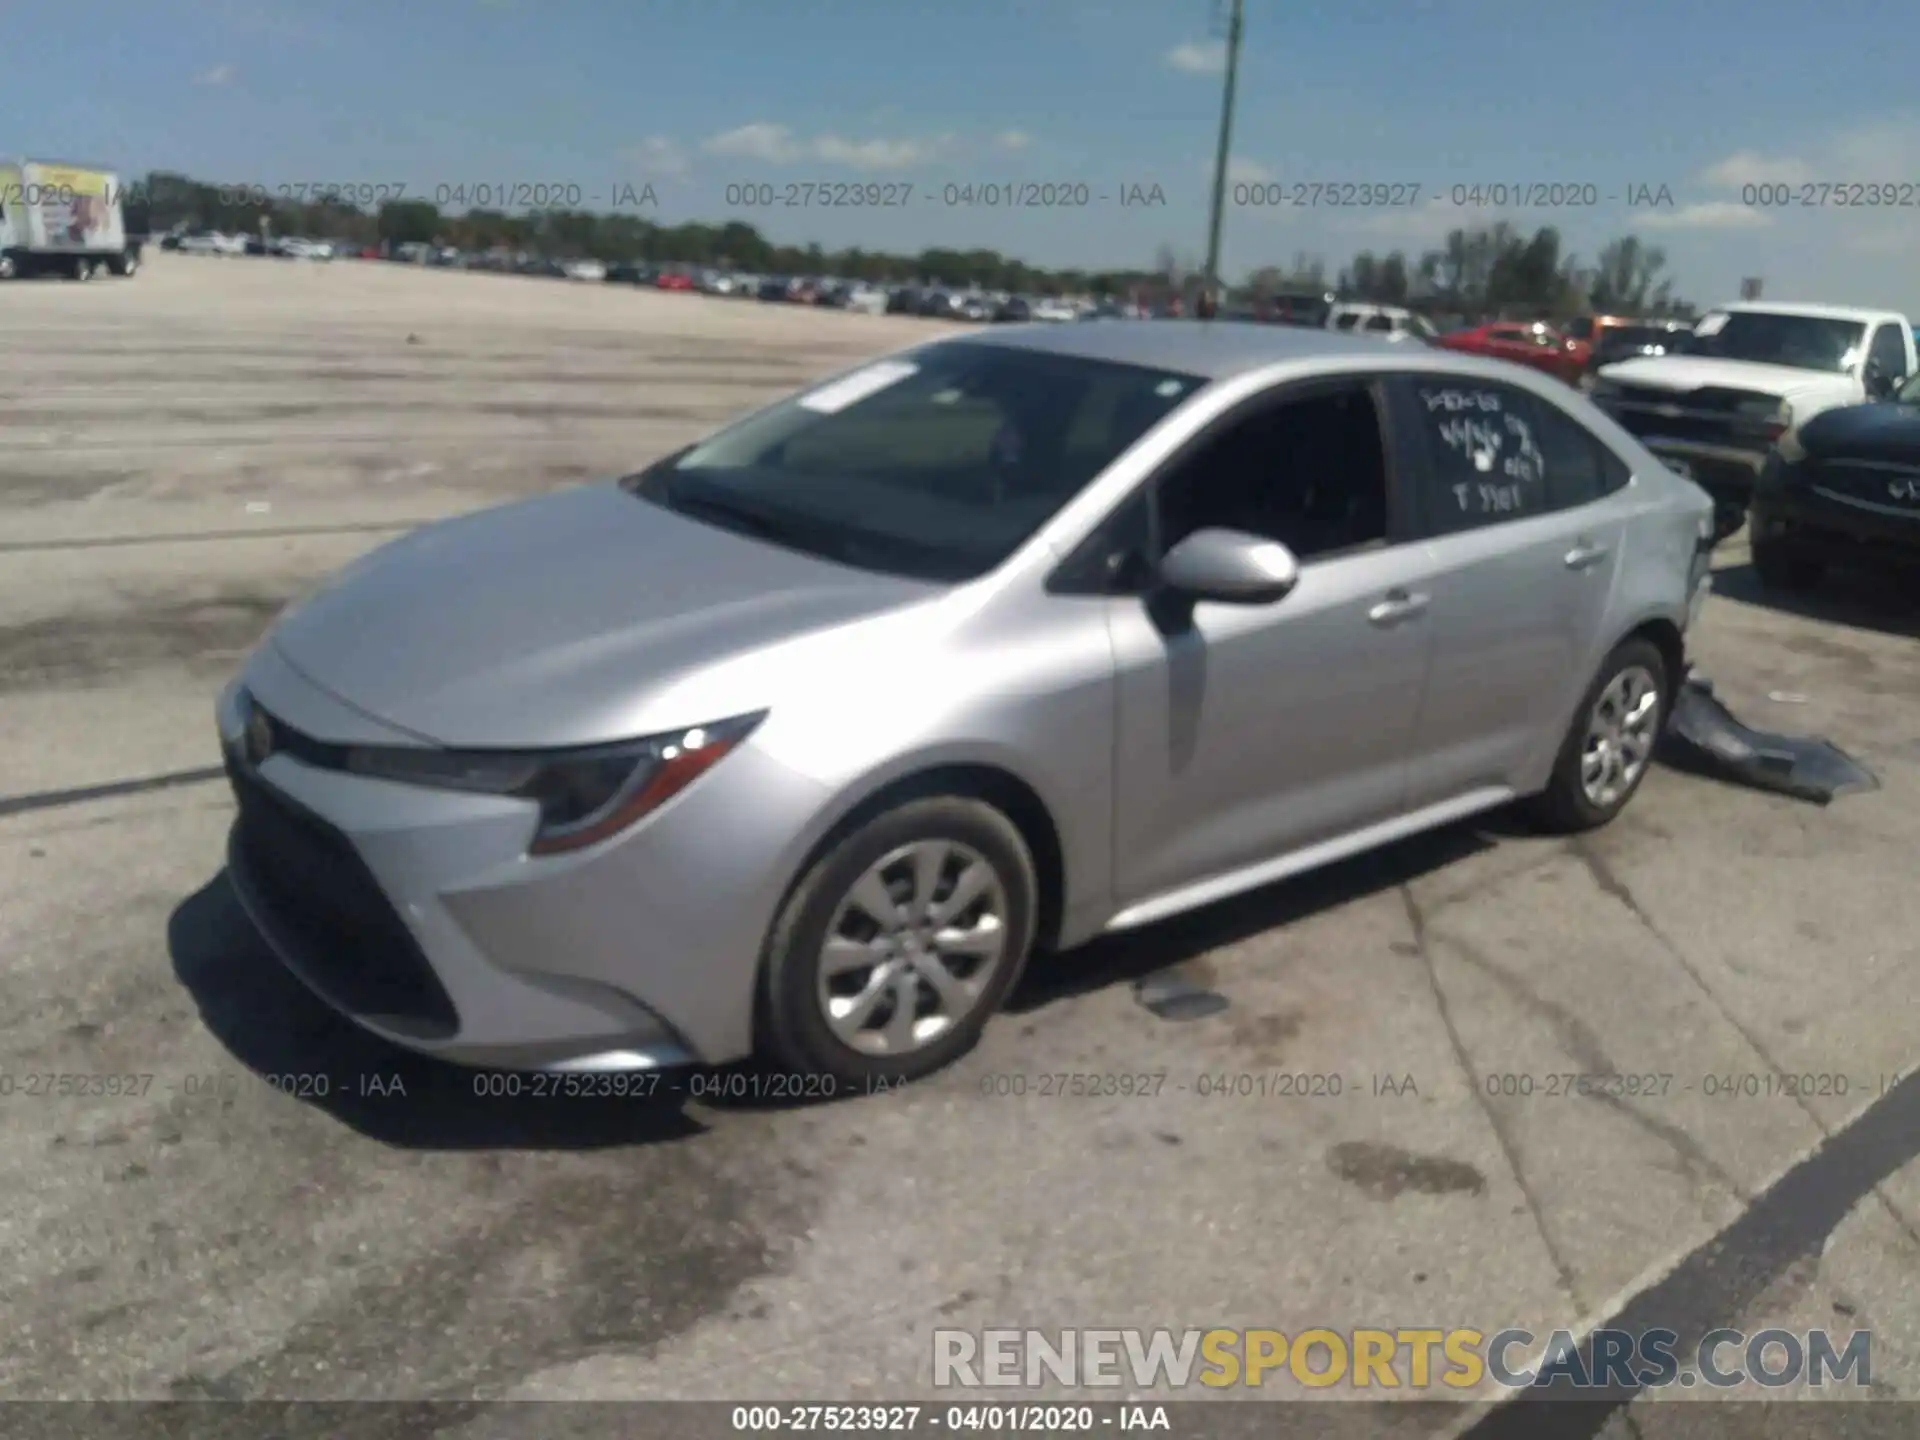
[(1413, 1359)]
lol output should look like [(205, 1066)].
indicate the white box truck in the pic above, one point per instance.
[(64, 220)]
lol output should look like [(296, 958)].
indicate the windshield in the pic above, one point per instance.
[(939, 464), (1580, 329), (1805, 342)]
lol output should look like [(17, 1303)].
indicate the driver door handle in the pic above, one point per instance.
[(1399, 605), (1585, 555)]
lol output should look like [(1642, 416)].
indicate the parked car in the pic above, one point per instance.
[(676, 280), (585, 270), (212, 242), (975, 309), (905, 300), (1536, 345), (1843, 487), (630, 272), (1390, 322), (775, 287), (1746, 377), (1014, 310), (1633, 341), (1055, 311), (666, 815), (864, 299)]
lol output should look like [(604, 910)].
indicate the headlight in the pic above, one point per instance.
[(584, 795), (1789, 448)]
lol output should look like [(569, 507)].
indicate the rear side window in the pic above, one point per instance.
[(1579, 468), (1380, 323), (1484, 463)]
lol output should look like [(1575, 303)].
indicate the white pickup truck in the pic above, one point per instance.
[(1715, 408)]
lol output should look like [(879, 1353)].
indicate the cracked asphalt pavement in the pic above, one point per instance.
[(256, 1201)]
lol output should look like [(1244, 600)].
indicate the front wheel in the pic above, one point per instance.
[(1609, 747), (898, 945)]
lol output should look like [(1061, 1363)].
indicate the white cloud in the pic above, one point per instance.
[(658, 156), (772, 143), (1705, 215), (1749, 168), (1242, 171), (778, 145), (1013, 140), (1198, 57), (218, 75)]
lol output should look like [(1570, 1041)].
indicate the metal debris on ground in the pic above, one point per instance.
[(1171, 995), (1703, 736)]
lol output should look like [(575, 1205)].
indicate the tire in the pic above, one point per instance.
[(1783, 565), (1728, 516), (124, 266), (797, 989), (1567, 806), (7, 267), (82, 269)]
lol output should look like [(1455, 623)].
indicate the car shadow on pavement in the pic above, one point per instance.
[(1877, 598), (286, 1037), (1177, 945)]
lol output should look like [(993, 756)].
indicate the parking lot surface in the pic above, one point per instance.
[(270, 1204)]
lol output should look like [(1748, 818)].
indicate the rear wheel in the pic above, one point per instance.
[(7, 268), (1609, 747), (1782, 564), (82, 268), (899, 944)]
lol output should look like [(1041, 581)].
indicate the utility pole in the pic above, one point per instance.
[(1220, 159)]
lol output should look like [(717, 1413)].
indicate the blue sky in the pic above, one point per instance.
[(693, 96)]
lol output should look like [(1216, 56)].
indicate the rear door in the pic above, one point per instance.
[(1511, 492)]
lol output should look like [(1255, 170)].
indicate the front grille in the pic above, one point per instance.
[(1707, 416), (353, 944), (1711, 474), (1890, 489)]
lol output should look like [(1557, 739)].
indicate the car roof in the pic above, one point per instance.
[(1823, 312), (1216, 349)]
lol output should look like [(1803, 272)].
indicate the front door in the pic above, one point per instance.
[(1246, 732)]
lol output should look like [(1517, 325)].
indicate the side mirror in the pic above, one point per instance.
[(1876, 382), (1231, 567)]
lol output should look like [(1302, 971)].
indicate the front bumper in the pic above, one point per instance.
[(419, 915), (1723, 471), (1835, 527)]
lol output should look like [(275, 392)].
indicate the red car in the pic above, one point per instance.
[(1537, 346), (673, 280)]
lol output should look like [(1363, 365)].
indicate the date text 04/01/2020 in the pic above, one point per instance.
[(956, 195)]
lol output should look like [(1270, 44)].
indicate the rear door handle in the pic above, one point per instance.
[(1585, 556), (1399, 605)]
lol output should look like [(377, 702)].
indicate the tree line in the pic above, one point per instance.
[(1476, 271)]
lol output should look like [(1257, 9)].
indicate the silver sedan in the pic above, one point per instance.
[(805, 740)]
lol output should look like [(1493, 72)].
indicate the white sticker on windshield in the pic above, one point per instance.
[(1167, 389), (1712, 324), (852, 389)]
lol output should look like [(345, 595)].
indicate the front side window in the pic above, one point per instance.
[(1310, 473), (1890, 352), (938, 464)]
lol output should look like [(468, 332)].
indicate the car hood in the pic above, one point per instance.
[(1865, 432), (552, 621), (1680, 373)]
